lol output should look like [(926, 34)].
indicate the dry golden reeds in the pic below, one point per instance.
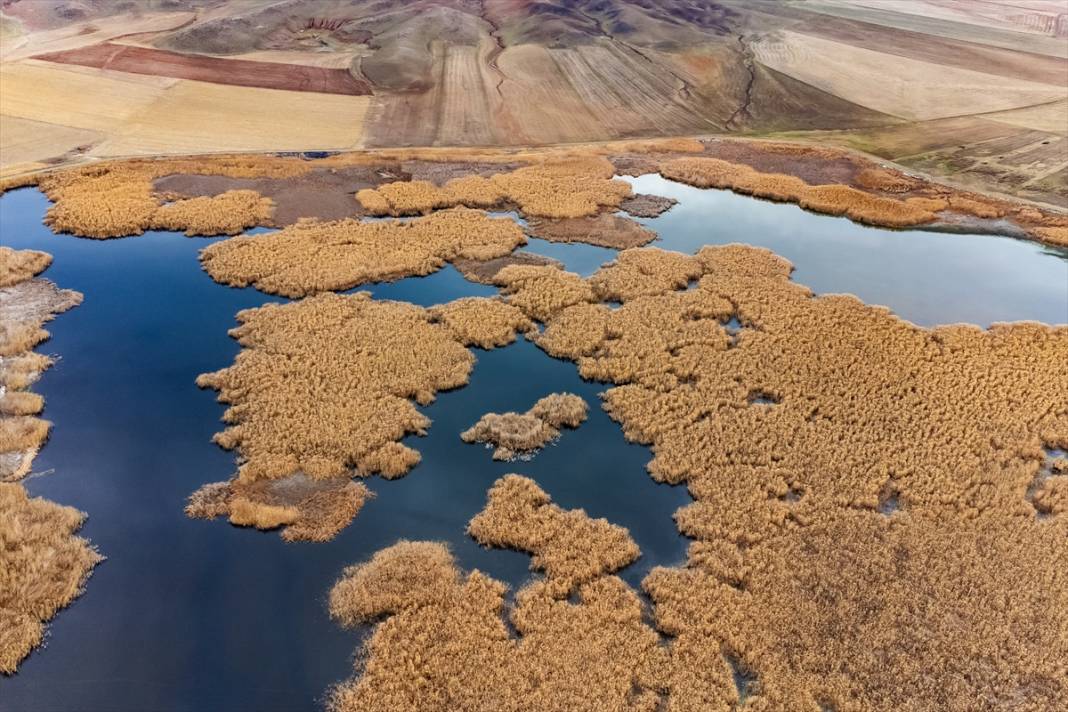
[(541, 291), (225, 214), (445, 645), (515, 434), (556, 187), (642, 272), (310, 510), (481, 322), (303, 400), (847, 499), (831, 199), (43, 567), (19, 265), (312, 256)]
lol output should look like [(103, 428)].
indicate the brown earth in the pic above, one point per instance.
[(236, 72)]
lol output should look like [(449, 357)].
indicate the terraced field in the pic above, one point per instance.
[(957, 77)]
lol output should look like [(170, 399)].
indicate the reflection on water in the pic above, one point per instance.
[(926, 277), (199, 615)]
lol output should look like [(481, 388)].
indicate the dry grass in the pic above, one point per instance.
[(25, 305), (830, 199), (567, 545), (312, 256), (522, 434), (303, 400), (445, 645), (485, 323), (22, 433), (310, 510), (20, 403), (1053, 235), (485, 271), (19, 265), (22, 370), (43, 567), (798, 439), (227, 213), (604, 230), (556, 187), (541, 291), (115, 198), (637, 273)]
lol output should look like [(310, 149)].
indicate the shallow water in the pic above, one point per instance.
[(200, 615)]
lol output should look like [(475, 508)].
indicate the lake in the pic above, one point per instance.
[(191, 615)]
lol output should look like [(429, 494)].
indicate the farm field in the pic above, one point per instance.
[(496, 73)]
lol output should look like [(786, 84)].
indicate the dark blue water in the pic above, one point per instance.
[(195, 615)]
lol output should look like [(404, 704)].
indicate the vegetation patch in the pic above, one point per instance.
[(556, 187), (604, 230), (19, 265), (445, 642), (26, 304), (312, 256), (485, 323), (323, 389), (523, 434), (643, 205), (309, 509), (831, 199), (846, 500), (43, 565)]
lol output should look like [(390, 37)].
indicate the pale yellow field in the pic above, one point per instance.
[(197, 117), (49, 109), (28, 141), (1051, 117), (908, 88)]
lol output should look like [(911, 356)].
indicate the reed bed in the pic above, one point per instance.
[(225, 214), (26, 304), (642, 272), (313, 256), (308, 509), (445, 644), (116, 198), (309, 411), (43, 567), (303, 400), (570, 547), (831, 199), (555, 187), (20, 265), (523, 434), (603, 230), (838, 469), (481, 322), (541, 291)]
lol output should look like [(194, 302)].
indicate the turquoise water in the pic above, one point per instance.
[(195, 615)]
